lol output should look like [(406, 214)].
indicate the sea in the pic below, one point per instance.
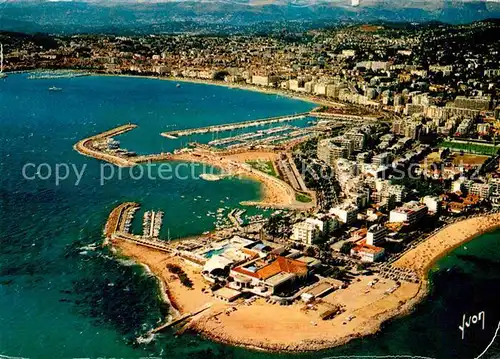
[(64, 296)]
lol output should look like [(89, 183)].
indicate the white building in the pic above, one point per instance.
[(410, 213), (264, 80), (375, 234), (306, 232), (432, 202), (358, 137), (381, 159), (368, 253), (328, 151), (458, 185), (345, 213), (482, 190), (398, 191), (349, 53)]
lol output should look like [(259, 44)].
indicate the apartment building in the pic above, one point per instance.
[(328, 151), (305, 232), (375, 235), (410, 213)]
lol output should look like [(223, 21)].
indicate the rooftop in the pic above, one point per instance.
[(366, 248), (262, 270)]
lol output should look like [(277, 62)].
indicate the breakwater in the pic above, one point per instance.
[(87, 146), (93, 147)]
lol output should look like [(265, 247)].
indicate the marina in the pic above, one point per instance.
[(59, 74), (233, 126), (152, 224), (249, 136), (119, 222)]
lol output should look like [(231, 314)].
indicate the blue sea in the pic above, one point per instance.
[(63, 296)]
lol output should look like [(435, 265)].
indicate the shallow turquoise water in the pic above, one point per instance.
[(60, 297)]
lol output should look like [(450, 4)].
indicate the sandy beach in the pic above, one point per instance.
[(365, 307), (423, 257), (275, 192)]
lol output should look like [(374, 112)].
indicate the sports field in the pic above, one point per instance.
[(471, 147)]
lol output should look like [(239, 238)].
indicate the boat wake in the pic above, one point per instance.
[(145, 339), (9, 357), (213, 177)]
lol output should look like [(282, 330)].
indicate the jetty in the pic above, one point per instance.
[(234, 126), (180, 319), (157, 244), (152, 224)]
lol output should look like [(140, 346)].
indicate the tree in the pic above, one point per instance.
[(278, 226), (346, 247), (220, 75), (310, 252), (337, 273)]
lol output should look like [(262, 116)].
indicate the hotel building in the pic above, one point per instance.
[(410, 213)]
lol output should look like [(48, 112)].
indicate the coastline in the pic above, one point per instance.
[(422, 258), (240, 86), (275, 192), (250, 327)]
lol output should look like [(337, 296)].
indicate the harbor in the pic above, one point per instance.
[(233, 126), (93, 146), (277, 193)]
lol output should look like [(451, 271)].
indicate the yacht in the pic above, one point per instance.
[(2, 74), (56, 89)]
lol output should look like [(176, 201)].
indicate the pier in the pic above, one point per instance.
[(180, 319), (234, 126), (152, 224), (246, 137), (141, 241), (119, 217)]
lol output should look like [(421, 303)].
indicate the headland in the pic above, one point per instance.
[(335, 319)]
